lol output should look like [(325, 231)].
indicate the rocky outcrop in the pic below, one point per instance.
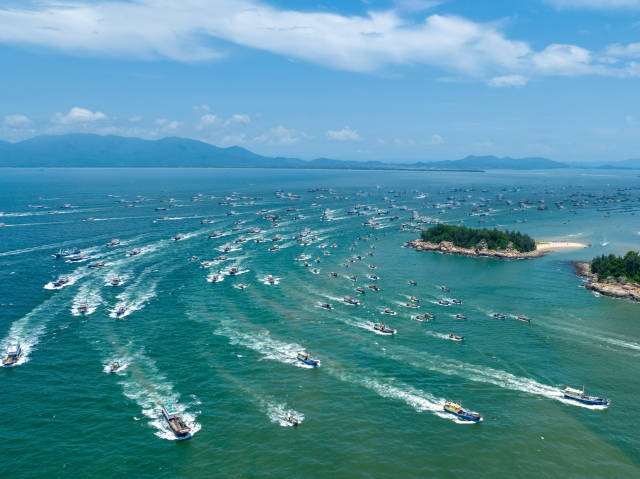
[(615, 288), (479, 250)]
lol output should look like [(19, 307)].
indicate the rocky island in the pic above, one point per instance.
[(465, 241), (614, 276)]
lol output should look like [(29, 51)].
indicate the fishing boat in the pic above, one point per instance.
[(65, 253), (315, 271), (83, 308), (456, 301), (114, 367), (205, 221), (498, 316), (389, 312), (240, 286), (382, 329), (334, 274), (177, 425), (121, 310), (373, 277), (455, 337), (116, 281), (178, 237), (215, 234), (460, 316), (113, 242), (270, 279), (461, 413), (304, 358), (134, 252), (443, 302), (411, 305), (444, 288), (60, 282), (353, 277), (288, 417), (360, 290), (97, 264), (13, 354), (351, 301), (79, 258), (374, 287), (522, 317), (414, 299), (579, 396), (326, 306)]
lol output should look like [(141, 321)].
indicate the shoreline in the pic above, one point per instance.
[(448, 247), (608, 287)]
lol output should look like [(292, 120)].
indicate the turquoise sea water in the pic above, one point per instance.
[(227, 356)]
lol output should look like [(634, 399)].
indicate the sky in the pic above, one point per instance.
[(391, 80)]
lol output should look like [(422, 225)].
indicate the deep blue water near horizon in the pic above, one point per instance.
[(227, 356)]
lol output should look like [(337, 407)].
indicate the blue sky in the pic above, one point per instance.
[(391, 80)]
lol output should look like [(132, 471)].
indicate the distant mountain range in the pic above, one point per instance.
[(85, 150)]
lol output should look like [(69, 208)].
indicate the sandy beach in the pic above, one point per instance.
[(554, 245)]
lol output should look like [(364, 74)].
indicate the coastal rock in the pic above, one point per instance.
[(614, 287), (480, 249)]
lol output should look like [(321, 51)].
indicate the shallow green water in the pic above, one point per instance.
[(373, 408)]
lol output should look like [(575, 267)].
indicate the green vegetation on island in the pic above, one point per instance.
[(627, 266), (464, 237)]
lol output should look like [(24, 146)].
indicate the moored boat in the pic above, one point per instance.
[(177, 425), (461, 413), (579, 396)]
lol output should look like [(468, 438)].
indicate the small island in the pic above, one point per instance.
[(614, 276), (484, 242)]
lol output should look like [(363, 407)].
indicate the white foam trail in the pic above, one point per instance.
[(264, 344), (417, 399), (28, 329), (150, 390), (136, 296), (72, 279), (277, 412), (86, 295), (503, 379)]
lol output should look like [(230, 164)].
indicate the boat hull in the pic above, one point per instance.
[(464, 417), (590, 401)]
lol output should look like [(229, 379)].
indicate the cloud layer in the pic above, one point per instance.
[(201, 30)]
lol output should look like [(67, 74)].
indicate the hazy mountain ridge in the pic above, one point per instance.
[(88, 150)]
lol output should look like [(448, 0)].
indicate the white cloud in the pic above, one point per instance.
[(437, 139), (78, 115), (346, 134), (166, 124), (280, 135), (16, 121), (135, 119), (181, 30), (559, 59), (631, 50), (595, 4), (203, 107), (238, 118), (208, 120), (629, 120), (508, 81)]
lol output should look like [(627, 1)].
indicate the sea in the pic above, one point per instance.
[(181, 330)]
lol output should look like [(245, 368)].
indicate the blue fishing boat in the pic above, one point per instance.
[(304, 358), (461, 413), (579, 396)]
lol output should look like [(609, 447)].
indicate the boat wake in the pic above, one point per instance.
[(150, 389), (265, 345), (136, 296)]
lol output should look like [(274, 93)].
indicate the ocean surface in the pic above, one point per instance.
[(227, 357)]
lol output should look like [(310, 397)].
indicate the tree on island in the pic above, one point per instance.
[(627, 266), (464, 237)]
